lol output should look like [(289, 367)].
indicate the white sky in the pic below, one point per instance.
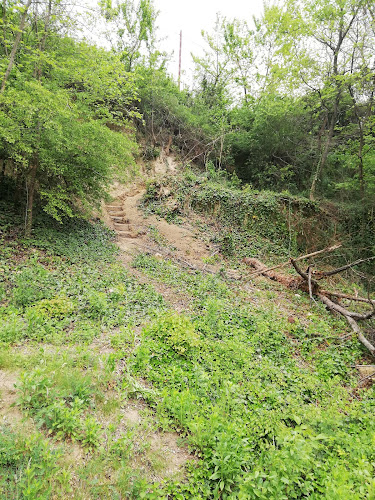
[(191, 16)]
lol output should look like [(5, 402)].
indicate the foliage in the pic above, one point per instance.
[(33, 463), (269, 145), (70, 289), (132, 30), (177, 333), (245, 370), (58, 119), (260, 223)]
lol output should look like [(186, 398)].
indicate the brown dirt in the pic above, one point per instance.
[(133, 226), (8, 396), (164, 446)]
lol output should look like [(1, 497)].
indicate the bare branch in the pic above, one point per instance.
[(348, 297), (335, 307), (343, 268), (302, 257)]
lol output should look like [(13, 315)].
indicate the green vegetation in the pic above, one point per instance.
[(258, 223), (246, 390), (263, 425), (266, 406)]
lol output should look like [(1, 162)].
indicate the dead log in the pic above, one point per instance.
[(302, 257), (311, 286), (288, 281)]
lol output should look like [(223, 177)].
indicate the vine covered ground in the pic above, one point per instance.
[(141, 372)]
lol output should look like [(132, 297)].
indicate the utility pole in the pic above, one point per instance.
[(179, 63)]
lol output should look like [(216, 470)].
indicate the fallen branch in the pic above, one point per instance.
[(337, 307), (310, 285), (332, 306), (305, 276), (343, 268), (302, 257), (366, 378), (348, 297), (309, 282), (184, 263)]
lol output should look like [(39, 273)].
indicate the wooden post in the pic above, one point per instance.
[(179, 63)]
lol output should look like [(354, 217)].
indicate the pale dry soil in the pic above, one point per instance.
[(8, 396), (138, 233)]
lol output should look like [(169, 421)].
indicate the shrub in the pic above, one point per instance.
[(176, 331)]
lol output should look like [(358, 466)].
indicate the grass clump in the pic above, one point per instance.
[(60, 408), (29, 466)]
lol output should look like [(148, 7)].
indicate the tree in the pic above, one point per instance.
[(314, 39), (132, 30), (19, 32), (54, 118), (239, 48)]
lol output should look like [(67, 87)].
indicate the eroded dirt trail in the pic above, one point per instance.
[(140, 233)]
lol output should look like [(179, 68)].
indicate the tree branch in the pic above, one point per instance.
[(302, 257), (320, 276)]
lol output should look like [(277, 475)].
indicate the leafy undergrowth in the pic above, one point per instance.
[(268, 225), (69, 316), (269, 406), (253, 223)]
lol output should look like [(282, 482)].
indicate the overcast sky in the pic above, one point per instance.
[(191, 16)]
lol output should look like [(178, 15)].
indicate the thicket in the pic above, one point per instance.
[(261, 223), (287, 104), (65, 107)]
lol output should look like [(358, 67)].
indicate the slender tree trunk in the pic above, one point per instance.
[(30, 200), (34, 168), (15, 46), (5, 27), (2, 173), (321, 131), (360, 166), (42, 42), (361, 128), (322, 161)]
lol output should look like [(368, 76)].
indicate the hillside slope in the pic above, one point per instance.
[(158, 367)]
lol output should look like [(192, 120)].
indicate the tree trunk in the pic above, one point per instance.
[(30, 200), (2, 174), (42, 42), (5, 27), (361, 128), (15, 46), (322, 161), (360, 166)]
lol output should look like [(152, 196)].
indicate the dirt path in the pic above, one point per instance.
[(137, 232)]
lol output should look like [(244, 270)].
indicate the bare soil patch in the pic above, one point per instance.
[(132, 226), (8, 396)]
